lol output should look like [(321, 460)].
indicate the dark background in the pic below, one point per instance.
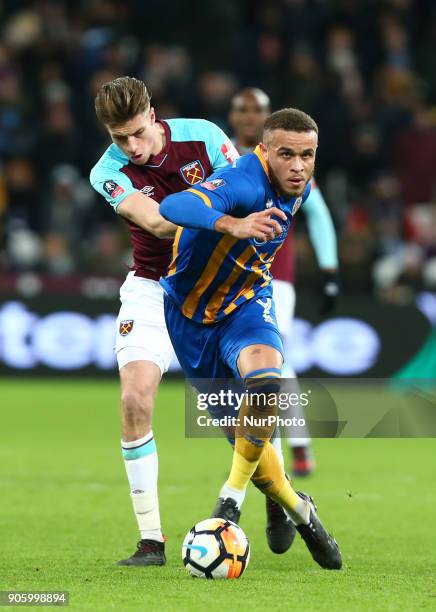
[(365, 70)]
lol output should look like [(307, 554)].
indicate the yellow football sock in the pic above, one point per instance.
[(270, 478), (251, 439), (246, 457), (269, 475)]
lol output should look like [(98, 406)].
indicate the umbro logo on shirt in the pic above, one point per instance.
[(148, 190)]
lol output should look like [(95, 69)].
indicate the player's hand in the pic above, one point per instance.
[(260, 225), (329, 291)]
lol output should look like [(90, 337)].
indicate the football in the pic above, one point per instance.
[(216, 548)]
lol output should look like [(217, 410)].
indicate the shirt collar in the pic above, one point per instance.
[(156, 160), (258, 152)]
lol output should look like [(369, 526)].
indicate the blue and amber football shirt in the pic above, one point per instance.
[(211, 274)]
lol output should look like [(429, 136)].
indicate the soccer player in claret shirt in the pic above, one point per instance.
[(249, 110), (148, 160), (219, 295)]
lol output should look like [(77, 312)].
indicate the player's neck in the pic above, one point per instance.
[(160, 140)]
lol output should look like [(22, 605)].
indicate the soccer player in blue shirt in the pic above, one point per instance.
[(218, 294), (249, 109)]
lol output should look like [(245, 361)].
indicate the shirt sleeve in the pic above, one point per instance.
[(112, 184), (220, 149), (201, 206), (321, 229)]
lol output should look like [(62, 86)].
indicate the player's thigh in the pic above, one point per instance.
[(141, 333), (284, 302), (196, 345), (251, 339)]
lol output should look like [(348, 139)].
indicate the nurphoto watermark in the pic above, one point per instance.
[(317, 408)]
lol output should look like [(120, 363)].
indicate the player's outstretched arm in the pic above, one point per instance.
[(323, 238), (144, 211), (260, 225), (321, 230), (195, 211)]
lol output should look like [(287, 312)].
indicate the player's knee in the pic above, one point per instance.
[(137, 405), (249, 447)]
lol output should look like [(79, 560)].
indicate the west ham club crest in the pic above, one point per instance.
[(126, 327), (192, 173)]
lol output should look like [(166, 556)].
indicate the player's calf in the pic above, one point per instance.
[(139, 382)]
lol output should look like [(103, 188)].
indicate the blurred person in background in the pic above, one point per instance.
[(22, 215), (14, 137), (59, 139), (66, 211), (215, 89), (413, 155)]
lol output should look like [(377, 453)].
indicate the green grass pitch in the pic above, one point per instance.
[(65, 514)]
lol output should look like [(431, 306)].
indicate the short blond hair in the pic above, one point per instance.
[(120, 100)]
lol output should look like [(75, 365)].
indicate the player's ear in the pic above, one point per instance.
[(263, 149), (152, 115)]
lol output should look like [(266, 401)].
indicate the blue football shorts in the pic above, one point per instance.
[(212, 351)]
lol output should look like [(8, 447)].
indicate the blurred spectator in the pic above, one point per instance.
[(59, 139), (303, 85), (69, 208), (414, 156), (106, 254), (13, 138), (22, 195), (215, 90)]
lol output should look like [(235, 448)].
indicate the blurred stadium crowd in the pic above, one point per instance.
[(365, 70)]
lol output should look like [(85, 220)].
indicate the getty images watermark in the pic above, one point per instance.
[(229, 403), (239, 408), (317, 408)]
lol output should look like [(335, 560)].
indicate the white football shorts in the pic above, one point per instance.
[(284, 302), (141, 333)]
